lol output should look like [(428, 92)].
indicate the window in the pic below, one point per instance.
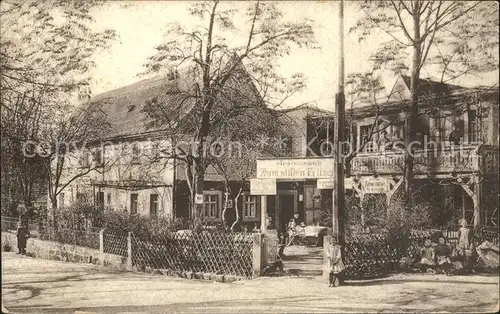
[(472, 126), (153, 205), (84, 159), (61, 200), (133, 203), (155, 150), (249, 206), (98, 157), (364, 135), (80, 196), (211, 205), (136, 153), (100, 199), (108, 199)]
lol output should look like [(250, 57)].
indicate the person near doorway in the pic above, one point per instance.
[(336, 266)]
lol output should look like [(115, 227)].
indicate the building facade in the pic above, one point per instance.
[(457, 151)]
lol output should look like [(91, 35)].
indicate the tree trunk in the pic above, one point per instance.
[(412, 118), (226, 200), (197, 209), (236, 210)]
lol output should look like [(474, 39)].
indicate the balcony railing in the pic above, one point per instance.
[(446, 159)]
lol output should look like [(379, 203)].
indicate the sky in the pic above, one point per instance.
[(140, 26)]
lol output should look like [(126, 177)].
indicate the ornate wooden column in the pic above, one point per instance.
[(393, 188), (472, 186)]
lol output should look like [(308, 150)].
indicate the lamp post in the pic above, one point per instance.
[(338, 196)]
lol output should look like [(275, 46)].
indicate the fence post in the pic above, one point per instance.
[(129, 250), (326, 245), (101, 246), (256, 254)]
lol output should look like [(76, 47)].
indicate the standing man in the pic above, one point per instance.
[(22, 233)]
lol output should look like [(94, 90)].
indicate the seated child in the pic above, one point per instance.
[(443, 253), (427, 256)]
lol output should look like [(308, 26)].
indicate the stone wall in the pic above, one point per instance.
[(65, 252)]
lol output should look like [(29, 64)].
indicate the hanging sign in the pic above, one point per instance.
[(324, 184), (296, 168), (262, 186), (372, 185), (198, 199)]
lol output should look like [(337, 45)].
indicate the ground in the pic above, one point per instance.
[(32, 285)]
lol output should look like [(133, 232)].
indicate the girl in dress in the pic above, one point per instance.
[(443, 252), (336, 265), (428, 256)]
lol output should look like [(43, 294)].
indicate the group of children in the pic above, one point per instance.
[(439, 257)]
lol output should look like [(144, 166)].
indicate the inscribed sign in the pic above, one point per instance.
[(198, 199), (263, 186), (293, 169), (324, 184), (372, 185)]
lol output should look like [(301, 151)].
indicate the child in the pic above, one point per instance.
[(443, 256), (428, 256), (336, 265), (466, 248)]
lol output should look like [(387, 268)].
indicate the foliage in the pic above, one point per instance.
[(454, 37), (46, 52), (117, 222)]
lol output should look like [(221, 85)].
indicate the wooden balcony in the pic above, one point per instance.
[(442, 160)]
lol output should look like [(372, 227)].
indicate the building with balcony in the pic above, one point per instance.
[(455, 149), (455, 158)]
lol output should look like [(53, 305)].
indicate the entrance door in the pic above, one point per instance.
[(287, 205)]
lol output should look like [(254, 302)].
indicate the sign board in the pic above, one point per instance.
[(324, 184), (198, 199), (348, 183), (372, 185), (296, 168), (262, 186)]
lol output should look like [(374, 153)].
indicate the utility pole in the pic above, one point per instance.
[(338, 198)]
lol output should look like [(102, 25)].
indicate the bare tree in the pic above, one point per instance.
[(445, 34), (46, 50), (219, 73)]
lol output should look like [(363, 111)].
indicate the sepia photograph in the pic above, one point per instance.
[(292, 156)]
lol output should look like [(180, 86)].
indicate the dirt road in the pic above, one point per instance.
[(42, 286)]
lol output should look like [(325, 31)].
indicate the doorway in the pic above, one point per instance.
[(286, 203)]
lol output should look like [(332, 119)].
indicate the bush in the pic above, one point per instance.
[(6, 247), (120, 223)]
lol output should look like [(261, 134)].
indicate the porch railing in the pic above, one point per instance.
[(446, 159)]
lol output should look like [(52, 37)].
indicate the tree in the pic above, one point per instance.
[(46, 51), (259, 134), (220, 72), (456, 37)]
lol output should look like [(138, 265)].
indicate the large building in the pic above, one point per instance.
[(457, 150)]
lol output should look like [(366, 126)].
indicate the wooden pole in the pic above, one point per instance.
[(263, 213), (338, 192)]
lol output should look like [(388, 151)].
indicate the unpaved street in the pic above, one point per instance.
[(42, 286)]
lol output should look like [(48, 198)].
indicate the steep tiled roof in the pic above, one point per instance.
[(124, 106), (427, 86)]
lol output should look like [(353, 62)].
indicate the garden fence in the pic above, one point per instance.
[(376, 254), (214, 251)]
